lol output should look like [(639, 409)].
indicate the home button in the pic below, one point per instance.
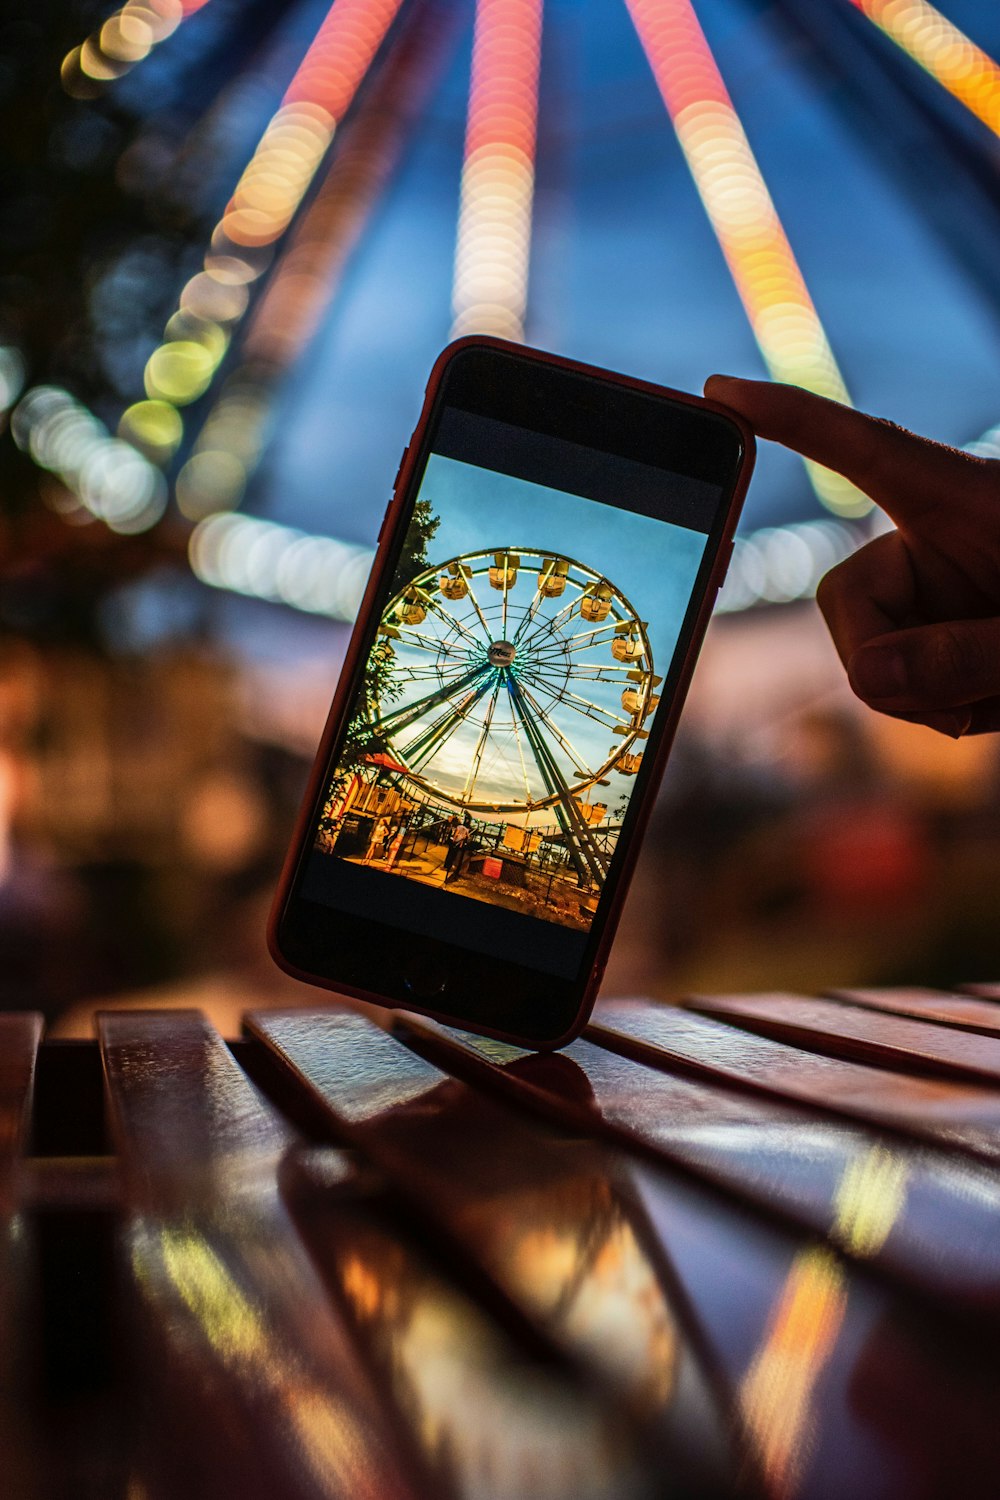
[(426, 977)]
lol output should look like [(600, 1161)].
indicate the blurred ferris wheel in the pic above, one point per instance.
[(511, 668), (301, 194)]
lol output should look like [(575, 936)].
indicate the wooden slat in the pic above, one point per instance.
[(554, 1223), (847, 1031), (821, 1364), (253, 1384), (496, 1419), (983, 991), (962, 1012), (22, 1466), (916, 1214), (950, 1115)]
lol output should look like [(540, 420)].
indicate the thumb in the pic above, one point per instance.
[(929, 667)]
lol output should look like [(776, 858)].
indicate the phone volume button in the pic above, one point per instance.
[(402, 461)]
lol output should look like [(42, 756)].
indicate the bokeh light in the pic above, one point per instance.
[(126, 38), (112, 481), (490, 291), (281, 564), (12, 375), (264, 202), (784, 320), (936, 44), (305, 279)]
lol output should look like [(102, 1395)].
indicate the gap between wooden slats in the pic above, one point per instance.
[(938, 1007), (873, 1037), (471, 1166), (953, 1116)]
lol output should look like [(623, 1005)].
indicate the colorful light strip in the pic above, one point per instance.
[(279, 564), (125, 38), (498, 176), (263, 204), (777, 1393), (947, 53), (305, 280), (760, 259), (104, 479)]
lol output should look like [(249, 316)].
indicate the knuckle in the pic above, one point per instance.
[(960, 656)]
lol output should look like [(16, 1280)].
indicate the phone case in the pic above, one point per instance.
[(340, 702)]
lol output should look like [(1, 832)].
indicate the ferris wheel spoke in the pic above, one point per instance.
[(597, 635), (571, 650), (590, 861), (478, 609), (554, 623), (445, 674), (419, 674), (569, 647), (530, 613), (607, 717), (613, 672), (401, 718), (484, 734), (418, 751), (520, 752), (445, 614), (542, 717), (429, 643)]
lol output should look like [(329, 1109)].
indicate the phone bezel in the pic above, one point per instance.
[(375, 961)]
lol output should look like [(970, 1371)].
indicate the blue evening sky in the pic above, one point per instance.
[(653, 563), (626, 271)]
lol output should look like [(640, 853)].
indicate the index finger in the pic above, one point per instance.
[(870, 594), (905, 474)]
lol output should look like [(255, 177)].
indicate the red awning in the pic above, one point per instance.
[(385, 761)]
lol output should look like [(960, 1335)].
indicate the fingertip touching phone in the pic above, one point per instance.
[(544, 577)]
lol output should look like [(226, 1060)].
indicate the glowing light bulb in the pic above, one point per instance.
[(945, 52), (490, 290), (266, 199), (784, 320)]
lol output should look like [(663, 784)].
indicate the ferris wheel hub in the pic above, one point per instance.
[(501, 653)]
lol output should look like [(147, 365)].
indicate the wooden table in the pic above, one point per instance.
[(748, 1247)]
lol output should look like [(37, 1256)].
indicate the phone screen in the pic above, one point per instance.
[(531, 626)]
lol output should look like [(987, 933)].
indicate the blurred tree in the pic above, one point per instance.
[(363, 739)]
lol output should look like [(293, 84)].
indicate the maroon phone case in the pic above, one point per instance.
[(341, 698)]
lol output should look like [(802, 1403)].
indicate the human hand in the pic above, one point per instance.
[(914, 614)]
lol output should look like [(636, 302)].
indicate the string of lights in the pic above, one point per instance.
[(280, 564), (770, 284), (262, 206), (124, 39), (102, 478), (498, 175), (946, 53), (305, 280)]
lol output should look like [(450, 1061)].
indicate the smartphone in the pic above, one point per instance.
[(544, 576)]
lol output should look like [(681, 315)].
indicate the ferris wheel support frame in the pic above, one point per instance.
[(589, 861)]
